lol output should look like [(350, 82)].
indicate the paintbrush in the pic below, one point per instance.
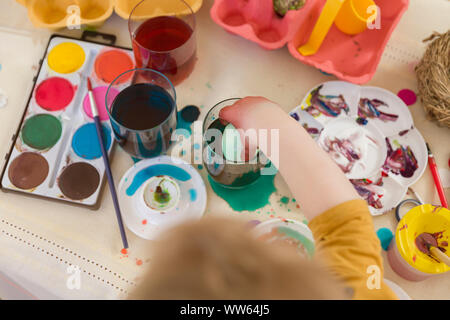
[(436, 177), (112, 188), (438, 254)]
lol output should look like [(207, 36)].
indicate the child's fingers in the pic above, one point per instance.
[(229, 114), (239, 112)]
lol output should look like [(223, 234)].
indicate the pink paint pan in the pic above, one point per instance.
[(54, 94)]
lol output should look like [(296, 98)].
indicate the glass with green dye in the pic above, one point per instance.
[(41, 131), (224, 169)]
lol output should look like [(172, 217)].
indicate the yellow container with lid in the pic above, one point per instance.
[(419, 265)]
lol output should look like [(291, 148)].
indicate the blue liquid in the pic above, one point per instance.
[(144, 117), (156, 170), (142, 106)]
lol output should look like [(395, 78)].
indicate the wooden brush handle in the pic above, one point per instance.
[(438, 254)]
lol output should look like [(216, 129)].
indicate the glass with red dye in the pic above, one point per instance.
[(163, 37)]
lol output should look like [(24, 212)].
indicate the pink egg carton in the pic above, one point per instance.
[(350, 58)]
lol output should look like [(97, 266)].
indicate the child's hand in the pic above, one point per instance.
[(246, 114), (243, 113), (307, 169)]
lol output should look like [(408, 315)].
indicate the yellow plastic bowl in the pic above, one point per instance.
[(424, 218), (354, 16), (57, 14)]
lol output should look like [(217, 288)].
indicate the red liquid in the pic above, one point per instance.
[(165, 44)]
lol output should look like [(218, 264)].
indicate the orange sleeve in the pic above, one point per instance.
[(347, 244)]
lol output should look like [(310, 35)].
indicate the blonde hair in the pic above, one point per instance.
[(219, 259)]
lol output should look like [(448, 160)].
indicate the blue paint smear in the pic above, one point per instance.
[(193, 194), (156, 170), (85, 142), (186, 117), (183, 124), (135, 160)]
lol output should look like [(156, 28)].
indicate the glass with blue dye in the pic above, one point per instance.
[(143, 115), (223, 169)]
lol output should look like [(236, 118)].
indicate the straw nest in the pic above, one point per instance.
[(433, 76)]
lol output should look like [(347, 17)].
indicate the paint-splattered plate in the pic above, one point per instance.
[(359, 150), (333, 99), (311, 125), (381, 193), (291, 231), (148, 220), (386, 110), (405, 154), (330, 100), (409, 140)]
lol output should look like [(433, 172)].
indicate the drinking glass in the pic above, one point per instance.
[(141, 105), (163, 37), (228, 173)]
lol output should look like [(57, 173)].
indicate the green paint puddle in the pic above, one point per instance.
[(246, 179), (250, 198), (284, 200)]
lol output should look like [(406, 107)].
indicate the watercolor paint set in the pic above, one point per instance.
[(370, 134), (55, 152)]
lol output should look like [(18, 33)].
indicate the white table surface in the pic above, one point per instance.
[(40, 239)]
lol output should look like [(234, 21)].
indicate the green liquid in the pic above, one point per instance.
[(251, 198)]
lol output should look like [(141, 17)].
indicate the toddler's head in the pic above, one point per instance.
[(220, 259)]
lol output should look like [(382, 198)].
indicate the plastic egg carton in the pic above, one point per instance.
[(350, 58)]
